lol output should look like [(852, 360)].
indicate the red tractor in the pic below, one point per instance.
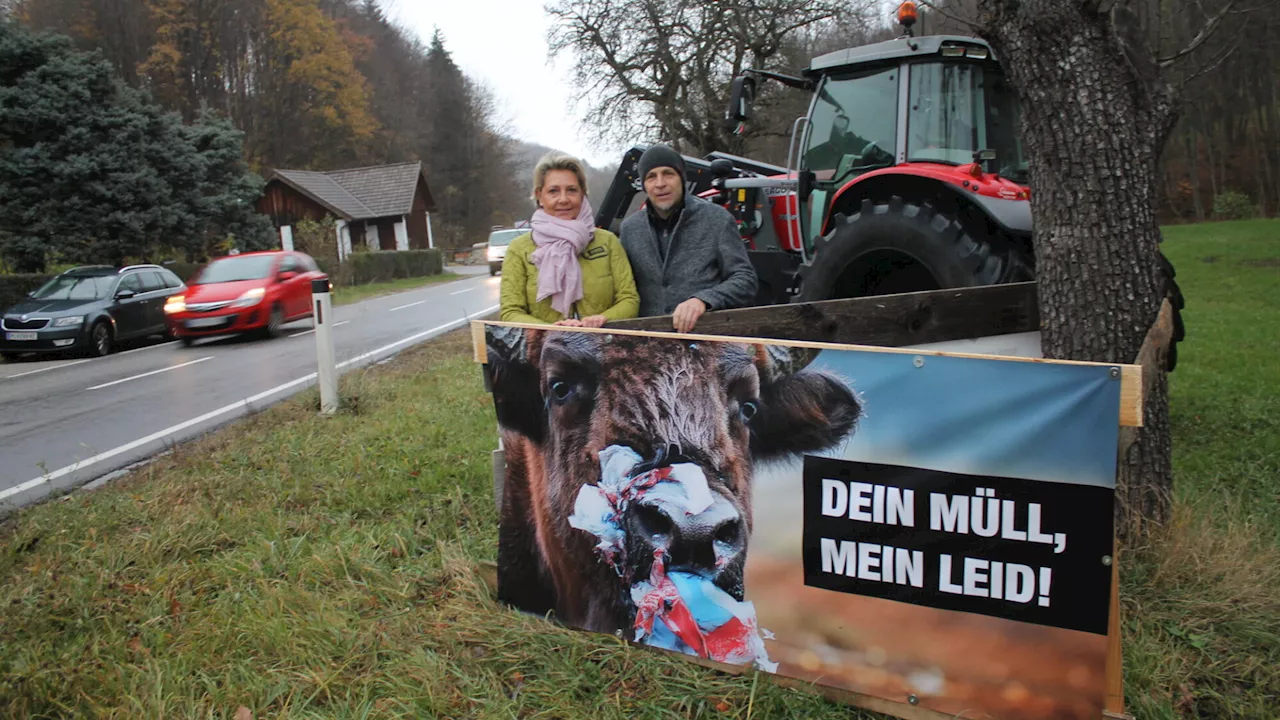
[(906, 174)]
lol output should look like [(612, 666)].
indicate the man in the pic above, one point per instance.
[(686, 254)]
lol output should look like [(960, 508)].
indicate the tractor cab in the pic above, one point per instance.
[(936, 106), (906, 173)]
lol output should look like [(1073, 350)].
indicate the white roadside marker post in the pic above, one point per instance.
[(327, 374)]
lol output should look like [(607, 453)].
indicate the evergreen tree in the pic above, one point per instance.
[(94, 171)]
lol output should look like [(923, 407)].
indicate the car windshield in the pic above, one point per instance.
[(504, 237), (248, 267), (73, 287), (960, 108)]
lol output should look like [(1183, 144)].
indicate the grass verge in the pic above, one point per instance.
[(356, 293), (301, 566), (1201, 603)]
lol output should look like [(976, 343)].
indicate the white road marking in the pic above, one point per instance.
[(54, 367), (462, 291), (48, 477), (78, 362), (407, 306), (153, 372), (306, 332), (149, 347)]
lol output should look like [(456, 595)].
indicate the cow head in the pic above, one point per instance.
[(711, 408)]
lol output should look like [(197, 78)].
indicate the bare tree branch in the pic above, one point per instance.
[(1215, 63), (1210, 27), (943, 10), (666, 64)]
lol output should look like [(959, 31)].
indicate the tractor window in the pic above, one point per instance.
[(957, 109), (853, 125)]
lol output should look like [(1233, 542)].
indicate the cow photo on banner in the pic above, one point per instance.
[(923, 528)]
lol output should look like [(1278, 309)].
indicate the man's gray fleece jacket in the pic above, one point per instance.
[(706, 260)]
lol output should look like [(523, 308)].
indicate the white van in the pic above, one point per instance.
[(498, 242)]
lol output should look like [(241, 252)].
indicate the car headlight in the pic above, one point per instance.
[(250, 298), (69, 321), (175, 304)]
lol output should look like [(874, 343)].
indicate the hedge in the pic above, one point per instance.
[(362, 268), (14, 288), (184, 270)]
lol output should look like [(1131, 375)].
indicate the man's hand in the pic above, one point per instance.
[(687, 313)]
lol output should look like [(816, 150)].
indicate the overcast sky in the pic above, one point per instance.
[(503, 43)]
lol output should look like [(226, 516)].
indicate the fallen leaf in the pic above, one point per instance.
[(244, 713), (722, 706)]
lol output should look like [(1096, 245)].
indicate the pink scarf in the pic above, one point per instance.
[(559, 243)]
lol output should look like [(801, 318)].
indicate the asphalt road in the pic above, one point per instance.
[(66, 422)]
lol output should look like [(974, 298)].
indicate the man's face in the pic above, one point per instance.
[(665, 187)]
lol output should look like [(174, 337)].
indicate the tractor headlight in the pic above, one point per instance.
[(175, 304), (250, 298), (69, 321)]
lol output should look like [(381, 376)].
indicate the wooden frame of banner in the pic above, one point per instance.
[(893, 321)]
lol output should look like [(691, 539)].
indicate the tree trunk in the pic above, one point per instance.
[(1095, 119)]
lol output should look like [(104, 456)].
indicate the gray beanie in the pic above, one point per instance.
[(659, 156)]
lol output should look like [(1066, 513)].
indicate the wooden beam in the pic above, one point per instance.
[(885, 320), (479, 350), (1149, 362), (1113, 702), (1131, 393)]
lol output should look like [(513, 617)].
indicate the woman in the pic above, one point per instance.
[(566, 271)]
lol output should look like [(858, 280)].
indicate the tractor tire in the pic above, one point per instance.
[(898, 247)]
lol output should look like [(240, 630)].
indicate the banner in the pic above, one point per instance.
[(929, 529)]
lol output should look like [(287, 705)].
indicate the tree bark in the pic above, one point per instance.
[(1096, 115)]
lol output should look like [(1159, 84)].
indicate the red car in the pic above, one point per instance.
[(251, 292)]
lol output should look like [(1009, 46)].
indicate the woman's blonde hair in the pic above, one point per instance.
[(557, 161)]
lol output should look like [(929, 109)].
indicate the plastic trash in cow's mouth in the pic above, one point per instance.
[(682, 611)]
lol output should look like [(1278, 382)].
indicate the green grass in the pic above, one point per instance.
[(1201, 604), (310, 567), (356, 293)]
